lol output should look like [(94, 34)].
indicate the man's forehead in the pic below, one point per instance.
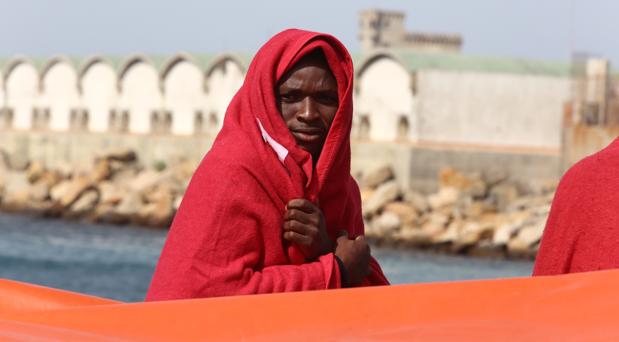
[(321, 78)]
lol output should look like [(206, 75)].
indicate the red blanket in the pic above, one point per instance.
[(226, 238), (582, 232)]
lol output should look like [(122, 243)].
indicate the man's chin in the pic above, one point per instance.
[(312, 150)]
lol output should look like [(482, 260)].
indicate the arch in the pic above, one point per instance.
[(385, 94), (183, 93), (12, 64), (99, 89), (378, 54), (220, 61), (140, 94), (173, 61), (91, 61), (224, 77), (59, 92), (51, 63), (21, 83), (130, 62)]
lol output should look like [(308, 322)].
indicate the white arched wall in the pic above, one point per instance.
[(59, 94), (183, 95), (140, 95), (223, 82), (22, 88), (99, 94), (384, 95)]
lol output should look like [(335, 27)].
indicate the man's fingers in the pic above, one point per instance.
[(301, 204), (298, 215), (297, 238), (296, 226)]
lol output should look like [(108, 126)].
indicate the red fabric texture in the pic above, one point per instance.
[(582, 231), (226, 238)]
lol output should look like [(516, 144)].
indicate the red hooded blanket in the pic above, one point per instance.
[(582, 232), (226, 238)]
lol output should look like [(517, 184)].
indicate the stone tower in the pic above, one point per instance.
[(385, 29)]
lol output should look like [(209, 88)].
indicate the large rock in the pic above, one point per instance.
[(15, 182), (183, 169), (486, 249), (413, 236), (145, 181), (446, 196), (35, 171), (16, 196), (159, 210), (523, 243), (508, 226), (111, 193), (51, 177), (473, 232), (376, 176), (450, 178), (386, 223), (472, 185), (177, 202), (120, 155), (85, 204), (476, 209), (435, 224), (503, 195), (406, 213), (417, 200), (384, 194), (366, 194), (541, 211), (101, 171), (126, 211), (123, 175), (449, 234), (16, 201), (67, 192), (39, 191)]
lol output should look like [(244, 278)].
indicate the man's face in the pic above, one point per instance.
[(308, 100)]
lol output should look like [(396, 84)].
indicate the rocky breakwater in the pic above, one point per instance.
[(115, 188), (469, 214), (478, 214)]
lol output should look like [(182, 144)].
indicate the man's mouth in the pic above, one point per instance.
[(307, 135)]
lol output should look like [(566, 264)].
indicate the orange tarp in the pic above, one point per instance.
[(577, 307)]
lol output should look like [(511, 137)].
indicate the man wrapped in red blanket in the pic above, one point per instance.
[(273, 207), (582, 231)]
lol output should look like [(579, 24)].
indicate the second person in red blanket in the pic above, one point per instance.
[(273, 207)]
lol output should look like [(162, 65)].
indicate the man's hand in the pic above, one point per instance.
[(355, 255), (304, 224)]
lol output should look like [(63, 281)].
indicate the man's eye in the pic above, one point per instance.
[(289, 97), (328, 99)]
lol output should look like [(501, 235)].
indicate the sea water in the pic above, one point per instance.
[(118, 261)]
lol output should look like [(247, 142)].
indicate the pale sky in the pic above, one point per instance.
[(537, 29)]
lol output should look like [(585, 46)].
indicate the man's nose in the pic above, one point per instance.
[(309, 110)]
